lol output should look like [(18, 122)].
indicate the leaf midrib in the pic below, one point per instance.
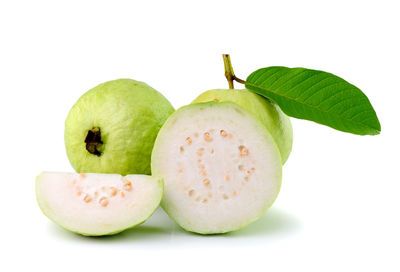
[(311, 106)]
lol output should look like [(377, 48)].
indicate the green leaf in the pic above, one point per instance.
[(316, 96)]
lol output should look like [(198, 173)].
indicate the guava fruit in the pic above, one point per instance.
[(221, 167), (97, 204), (267, 112), (112, 127)]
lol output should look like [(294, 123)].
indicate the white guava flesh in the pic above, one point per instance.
[(97, 204), (221, 167), (266, 111)]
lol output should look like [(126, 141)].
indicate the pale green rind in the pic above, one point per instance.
[(159, 141), (129, 114), (44, 207), (268, 113)]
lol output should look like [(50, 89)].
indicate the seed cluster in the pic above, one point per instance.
[(203, 161), (107, 192)]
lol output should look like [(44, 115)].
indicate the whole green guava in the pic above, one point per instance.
[(267, 112), (112, 127)]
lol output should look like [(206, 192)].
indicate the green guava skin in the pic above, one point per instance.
[(268, 113), (129, 115)]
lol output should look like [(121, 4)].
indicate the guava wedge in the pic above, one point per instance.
[(221, 167), (267, 112), (97, 204), (112, 127)]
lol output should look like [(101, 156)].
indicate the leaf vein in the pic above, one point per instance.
[(357, 114), (351, 108), (287, 80), (338, 102), (309, 105), (318, 91), (302, 82), (265, 79)]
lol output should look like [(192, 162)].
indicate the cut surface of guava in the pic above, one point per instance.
[(112, 127), (267, 112), (221, 167), (97, 204)]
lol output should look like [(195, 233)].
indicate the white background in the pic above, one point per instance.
[(338, 209)]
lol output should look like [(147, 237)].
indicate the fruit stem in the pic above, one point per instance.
[(229, 74)]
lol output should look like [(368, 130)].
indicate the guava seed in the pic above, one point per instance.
[(113, 191), (243, 151), (127, 185), (207, 137), (87, 198), (206, 181), (103, 201)]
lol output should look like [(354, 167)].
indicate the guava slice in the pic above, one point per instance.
[(221, 167), (266, 111), (97, 204), (112, 127)]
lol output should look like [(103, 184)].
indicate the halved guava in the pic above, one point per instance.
[(221, 167), (97, 204)]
